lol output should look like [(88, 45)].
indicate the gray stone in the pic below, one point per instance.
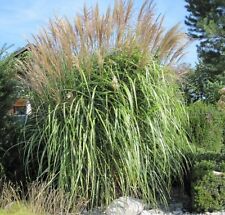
[(144, 212), (125, 206)]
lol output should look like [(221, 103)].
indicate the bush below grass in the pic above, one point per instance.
[(208, 182), (209, 193)]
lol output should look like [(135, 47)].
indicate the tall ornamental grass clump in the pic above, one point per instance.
[(107, 117)]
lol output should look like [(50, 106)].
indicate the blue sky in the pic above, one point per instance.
[(19, 19)]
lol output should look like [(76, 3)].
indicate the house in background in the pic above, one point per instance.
[(22, 106)]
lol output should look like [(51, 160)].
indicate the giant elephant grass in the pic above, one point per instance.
[(107, 115)]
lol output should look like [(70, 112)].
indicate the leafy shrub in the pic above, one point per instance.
[(206, 162), (202, 168), (209, 193), (109, 118), (9, 129), (212, 156), (212, 91), (206, 126), (208, 182), (11, 151), (7, 85)]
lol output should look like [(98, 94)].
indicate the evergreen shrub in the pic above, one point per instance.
[(208, 183), (206, 126)]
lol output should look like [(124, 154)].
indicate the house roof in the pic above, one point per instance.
[(22, 50), (20, 103)]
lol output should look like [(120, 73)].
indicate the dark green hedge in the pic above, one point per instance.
[(208, 182), (206, 128)]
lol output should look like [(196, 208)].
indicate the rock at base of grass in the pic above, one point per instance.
[(125, 206), (132, 206)]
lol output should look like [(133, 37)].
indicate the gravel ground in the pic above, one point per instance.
[(131, 206), (178, 212), (157, 212)]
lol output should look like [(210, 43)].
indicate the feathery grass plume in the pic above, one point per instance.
[(72, 44), (108, 121)]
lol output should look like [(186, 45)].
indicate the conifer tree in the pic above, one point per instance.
[(206, 22)]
